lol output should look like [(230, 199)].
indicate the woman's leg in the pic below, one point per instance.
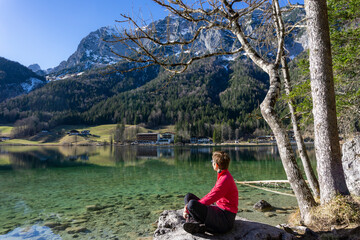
[(219, 220), (198, 211), (189, 197)]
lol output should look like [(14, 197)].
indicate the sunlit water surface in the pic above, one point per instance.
[(54, 186)]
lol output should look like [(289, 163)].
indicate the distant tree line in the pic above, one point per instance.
[(205, 98)]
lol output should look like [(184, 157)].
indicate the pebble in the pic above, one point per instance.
[(129, 207), (244, 210), (269, 214), (51, 224), (78, 221), (95, 207), (5, 231), (71, 230), (120, 224), (62, 227), (243, 198)]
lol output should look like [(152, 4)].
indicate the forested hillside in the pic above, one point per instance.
[(211, 92), (217, 95), (16, 79)]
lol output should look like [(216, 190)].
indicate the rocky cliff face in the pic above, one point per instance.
[(37, 69), (93, 51)]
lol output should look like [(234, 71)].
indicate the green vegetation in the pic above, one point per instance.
[(12, 75), (98, 134), (5, 130), (212, 94), (207, 95), (344, 33)]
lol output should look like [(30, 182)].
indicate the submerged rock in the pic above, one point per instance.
[(95, 207), (170, 228), (262, 206), (71, 230), (51, 224), (351, 165)]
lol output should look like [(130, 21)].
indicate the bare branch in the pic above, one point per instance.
[(280, 30), (295, 5), (146, 46), (296, 25)]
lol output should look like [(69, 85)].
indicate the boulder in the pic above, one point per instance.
[(170, 227), (262, 206), (351, 165)]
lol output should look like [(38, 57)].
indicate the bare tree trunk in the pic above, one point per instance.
[(296, 180), (302, 192), (310, 175), (327, 147)]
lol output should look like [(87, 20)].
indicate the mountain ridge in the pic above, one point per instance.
[(95, 49), (16, 79)]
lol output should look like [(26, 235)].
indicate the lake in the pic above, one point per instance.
[(119, 192)]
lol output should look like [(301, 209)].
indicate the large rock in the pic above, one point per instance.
[(262, 206), (170, 227), (351, 165)]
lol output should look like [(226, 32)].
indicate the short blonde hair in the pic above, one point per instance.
[(222, 159)]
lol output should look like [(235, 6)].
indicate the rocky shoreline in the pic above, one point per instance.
[(170, 228)]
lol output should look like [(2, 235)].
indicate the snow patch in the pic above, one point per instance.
[(229, 58), (30, 86), (88, 52)]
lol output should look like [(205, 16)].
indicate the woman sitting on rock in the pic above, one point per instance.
[(201, 216)]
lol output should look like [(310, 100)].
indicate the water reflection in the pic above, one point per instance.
[(48, 157), (138, 181)]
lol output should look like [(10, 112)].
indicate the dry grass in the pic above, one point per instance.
[(341, 212)]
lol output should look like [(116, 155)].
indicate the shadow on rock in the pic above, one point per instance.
[(170, 227)]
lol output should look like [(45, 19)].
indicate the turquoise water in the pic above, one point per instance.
[(130, 186)]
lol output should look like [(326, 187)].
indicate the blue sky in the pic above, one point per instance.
[(48, 31)]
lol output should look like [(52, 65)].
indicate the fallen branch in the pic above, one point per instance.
[(263, 181), (246, 183)]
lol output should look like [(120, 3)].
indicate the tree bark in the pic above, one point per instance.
[(302, 192), (296, 180), (309, 172), (327, 147)]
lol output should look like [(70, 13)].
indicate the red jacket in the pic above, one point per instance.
[(224, 193)]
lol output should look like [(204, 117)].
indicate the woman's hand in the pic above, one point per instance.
[(186, 212)]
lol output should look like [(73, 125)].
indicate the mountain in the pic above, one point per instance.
[(37, 69), (94, 50), (16, 79), (218, 91)]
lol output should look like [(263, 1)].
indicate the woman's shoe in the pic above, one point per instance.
[(194, 227)]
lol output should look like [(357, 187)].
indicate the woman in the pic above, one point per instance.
[(201, 215)]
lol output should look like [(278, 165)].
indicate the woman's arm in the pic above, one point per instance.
[(217, 192)]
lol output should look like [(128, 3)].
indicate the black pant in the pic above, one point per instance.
[(216, 220)]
